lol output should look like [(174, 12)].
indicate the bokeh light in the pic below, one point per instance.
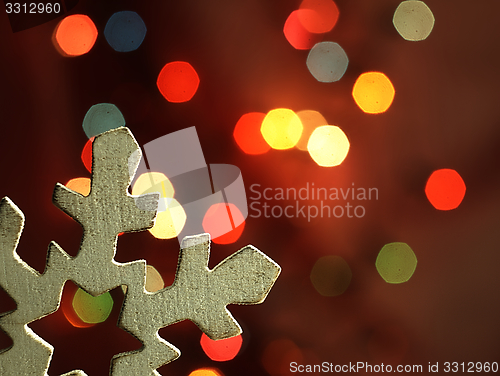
[(219, 221), (413, 20), (278, 354), (154, 281), (80, 185), (373, 92), (396, 262), (206, 372), (310, 120), (178, 82), (247, 133), (68, 311), (296, 34), (221, 350), (328, 146), (75, 35), (150, 182), (171, 216), (125, 31), (281, 128), (170, 219), (101, 118), (331, 275), (87, 154), (92, 309), (445, 189), (323, 17), (327, 62)]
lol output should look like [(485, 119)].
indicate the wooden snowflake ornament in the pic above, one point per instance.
[(197, 294)]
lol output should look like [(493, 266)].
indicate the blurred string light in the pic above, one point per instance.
[(373, 92), (171, 216), (321, 17), (101, 118), (331, 276), (87, 154), (178, 81), (125, 31), (221, 350), (92, 309), (154, 281), (396, 262), (327, 62), (67, 306), (170, 219), (206, 372), (413, 20), (445, 189), (219, 221), (150, 182), (247, 134), (79, 185), (75, 35), (310, 120), (281, 128), (296, 34), (328, 146), (278, 355), (74, 320)]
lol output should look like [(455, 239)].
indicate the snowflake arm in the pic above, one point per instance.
[(245, 277), (108, 210), (36, 296), (198, 294)]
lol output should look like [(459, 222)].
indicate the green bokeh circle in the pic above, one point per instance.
[(90, 309), (396, 262), (331, 275)]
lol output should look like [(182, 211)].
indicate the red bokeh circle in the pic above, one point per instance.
[(445, 189)]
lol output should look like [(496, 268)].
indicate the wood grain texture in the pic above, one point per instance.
[(36, 296), (108, 210), (197, 294)]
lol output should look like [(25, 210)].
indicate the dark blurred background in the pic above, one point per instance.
[(444, 115)]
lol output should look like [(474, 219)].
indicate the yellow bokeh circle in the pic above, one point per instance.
[(154, 281), (281, 128), (328, 146), (373, 92), (206, 372), (310, 121), (150, 182), (169, 222)]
